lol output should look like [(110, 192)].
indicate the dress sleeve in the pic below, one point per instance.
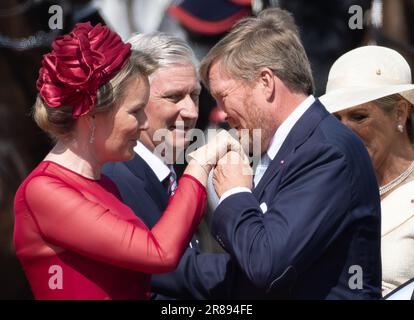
[(67, 219)]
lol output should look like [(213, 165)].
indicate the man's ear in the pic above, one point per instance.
[(266, 79)]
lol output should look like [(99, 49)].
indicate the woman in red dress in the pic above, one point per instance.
[(73, 235)]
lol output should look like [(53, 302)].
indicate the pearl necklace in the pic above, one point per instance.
[(392, 184)]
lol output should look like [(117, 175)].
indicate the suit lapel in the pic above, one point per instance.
[(300, 132), (153, 186)]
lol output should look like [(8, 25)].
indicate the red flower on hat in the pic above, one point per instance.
[(79, 64)]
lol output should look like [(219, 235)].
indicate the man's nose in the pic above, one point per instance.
[(218, 115), (190, 109)]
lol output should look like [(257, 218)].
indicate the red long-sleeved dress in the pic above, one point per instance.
[(77, 240)]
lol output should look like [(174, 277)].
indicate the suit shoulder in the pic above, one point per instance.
[(119, 172), (332, 141), (109, 168), (345, 142), (342, 138)]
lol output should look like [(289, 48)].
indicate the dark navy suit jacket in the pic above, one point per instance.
[(321, 230), (198, 275)]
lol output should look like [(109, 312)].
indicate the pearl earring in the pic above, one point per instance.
[(400, 128)]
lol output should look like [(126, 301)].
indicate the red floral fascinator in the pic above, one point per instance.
[(80, 63)]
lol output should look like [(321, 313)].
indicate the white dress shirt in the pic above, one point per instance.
[(275, 144), (161, 170)]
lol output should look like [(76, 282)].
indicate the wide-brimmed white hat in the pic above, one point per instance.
[(366, 74)]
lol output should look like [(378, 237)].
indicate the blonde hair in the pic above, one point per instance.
[(269, 40), (59, 123), (388, 103)]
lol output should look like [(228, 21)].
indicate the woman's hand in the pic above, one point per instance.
[(208, 155), (232, 171)]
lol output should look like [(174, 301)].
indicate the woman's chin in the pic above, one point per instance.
[(125, 156), (129, 154)]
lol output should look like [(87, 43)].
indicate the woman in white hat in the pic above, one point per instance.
[(369, 89)]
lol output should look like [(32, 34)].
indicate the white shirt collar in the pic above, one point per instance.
[(283, 131), (160, 169)]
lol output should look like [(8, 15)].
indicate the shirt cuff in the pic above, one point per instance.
[(232, 191)]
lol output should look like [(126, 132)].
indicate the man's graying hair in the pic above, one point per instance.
[(165, 49), (269, 40)]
